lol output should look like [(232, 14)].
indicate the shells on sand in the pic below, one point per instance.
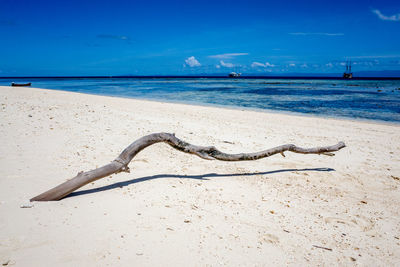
[(26, 206)]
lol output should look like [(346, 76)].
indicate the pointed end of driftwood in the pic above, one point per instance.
[(39, 198), (50, 195)]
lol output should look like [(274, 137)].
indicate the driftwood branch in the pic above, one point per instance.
[(120, 164)]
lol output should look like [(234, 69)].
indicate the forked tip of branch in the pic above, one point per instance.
[(204, 155)]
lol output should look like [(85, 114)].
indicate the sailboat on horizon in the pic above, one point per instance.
[(348, 74)]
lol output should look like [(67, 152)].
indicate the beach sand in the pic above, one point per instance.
[(176, 209)]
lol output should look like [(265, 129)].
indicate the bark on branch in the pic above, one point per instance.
[(120, 164)]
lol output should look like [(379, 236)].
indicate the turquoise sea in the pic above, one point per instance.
[(357, 99)]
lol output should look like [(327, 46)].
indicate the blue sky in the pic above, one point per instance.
[(46, 38)]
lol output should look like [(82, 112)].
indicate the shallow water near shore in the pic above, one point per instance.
[(356, 99)]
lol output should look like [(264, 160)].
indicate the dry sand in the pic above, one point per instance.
[(176, 209)]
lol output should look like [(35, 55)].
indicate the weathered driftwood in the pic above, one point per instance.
[(120, 164)]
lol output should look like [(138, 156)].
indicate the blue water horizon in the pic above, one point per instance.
[(366, 99)]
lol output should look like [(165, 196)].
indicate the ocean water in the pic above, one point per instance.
[(357, 99)]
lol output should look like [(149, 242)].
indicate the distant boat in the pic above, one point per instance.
[(234, 75), (348, 74), (21, 84)]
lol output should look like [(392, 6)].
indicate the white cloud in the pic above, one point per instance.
[(292, 65), (329, 65), (217, 66), (257, 64), (228, 55), (377, 56), (317, 33), (395, 17), (110, 36), (227, 65), (264, 65), (192, 62)]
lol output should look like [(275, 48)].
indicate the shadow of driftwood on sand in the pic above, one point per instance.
[(198, 177)]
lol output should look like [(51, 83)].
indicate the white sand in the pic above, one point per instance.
[(175, 209)]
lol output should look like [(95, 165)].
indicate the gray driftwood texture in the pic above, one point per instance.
[(120, 164)]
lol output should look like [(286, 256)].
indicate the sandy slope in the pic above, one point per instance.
[(176, 209)]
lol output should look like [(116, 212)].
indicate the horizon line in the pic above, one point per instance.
[(320, 77)]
